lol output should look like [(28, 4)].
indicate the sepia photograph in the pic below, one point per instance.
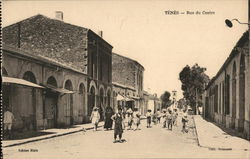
[(130, 79)]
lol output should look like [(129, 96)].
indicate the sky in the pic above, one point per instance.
[(141, 30)]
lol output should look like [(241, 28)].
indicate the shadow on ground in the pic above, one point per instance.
[(18, 135)]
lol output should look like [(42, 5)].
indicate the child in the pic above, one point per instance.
[(175, 116), (148, 115), (184, 123), (95, 117), (164, 118), (158, 115), (119, 125), (129, 118), (136, 119), (169, 118)]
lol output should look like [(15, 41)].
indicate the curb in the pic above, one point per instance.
[(50, 137), (214, 148)]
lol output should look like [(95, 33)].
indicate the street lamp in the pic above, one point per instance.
[(230, 24)]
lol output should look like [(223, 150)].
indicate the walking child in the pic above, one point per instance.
[(169, 117), (184, 123), (119, 125), (129, 118), (149, 116), (95, 117)]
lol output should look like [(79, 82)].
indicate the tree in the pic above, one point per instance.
[(181, 103), (165, 98), (193, 81)]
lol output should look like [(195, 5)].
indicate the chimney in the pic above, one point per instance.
[(59, 15), (100, 33)]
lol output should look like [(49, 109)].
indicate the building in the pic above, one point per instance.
[(227, 96), (127, 78), (76, 62)]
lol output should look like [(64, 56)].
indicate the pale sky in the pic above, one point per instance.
[(141, 30)]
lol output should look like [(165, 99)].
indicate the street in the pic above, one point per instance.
[(154, 142)]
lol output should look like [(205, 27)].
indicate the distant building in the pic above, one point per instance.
[(64, 59), (127, 78), (227, 96)]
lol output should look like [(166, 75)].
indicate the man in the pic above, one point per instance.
[(8, 120)]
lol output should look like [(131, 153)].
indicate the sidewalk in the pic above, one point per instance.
[(54, 133), (211, 136)]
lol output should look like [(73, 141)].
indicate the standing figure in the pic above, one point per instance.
[(129, 116), (184, 121), (149, 116), (7, 121), (95, 117), (169, 118), (108, 121), (158, 115), (136, 119), (164, 115), (119, 125), (175, 116)]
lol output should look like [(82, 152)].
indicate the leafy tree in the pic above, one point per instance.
[(165, 98), (193, 84), (181, 103)]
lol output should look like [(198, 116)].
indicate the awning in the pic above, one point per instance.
[(129, 99), (60, 90), (20, 81)]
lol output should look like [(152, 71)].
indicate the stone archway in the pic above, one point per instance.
[(241, 93), (69, 104), (82, 100), (91, 99), (50, 108)]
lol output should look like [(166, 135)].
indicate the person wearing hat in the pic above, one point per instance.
[(95, 117)]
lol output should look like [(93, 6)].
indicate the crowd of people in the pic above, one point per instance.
[(132, 119)]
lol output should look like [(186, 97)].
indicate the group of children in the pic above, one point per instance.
[(132, 118)]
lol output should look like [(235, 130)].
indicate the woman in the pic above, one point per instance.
[(119, 125), (95, 117), (108, 121)]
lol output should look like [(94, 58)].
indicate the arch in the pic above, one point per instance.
[(68, 85), (108, 97), (242, 92), (234, 93), (29, 76), (4, 72), (52, 81), (92, 84), (81, 88), (82, 100), (91, 99), (69, 104), (51, 106)]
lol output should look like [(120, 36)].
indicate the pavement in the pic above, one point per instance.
[(154, 142), (52, 133), (208, 136), (211, 136)]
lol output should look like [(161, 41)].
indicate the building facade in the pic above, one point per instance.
[(87, 55), (127, 78), (227, 96)]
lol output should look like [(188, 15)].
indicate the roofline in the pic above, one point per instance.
[(229, 58), (129, 59), (88, 30), (91, 31), (38, 58)]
